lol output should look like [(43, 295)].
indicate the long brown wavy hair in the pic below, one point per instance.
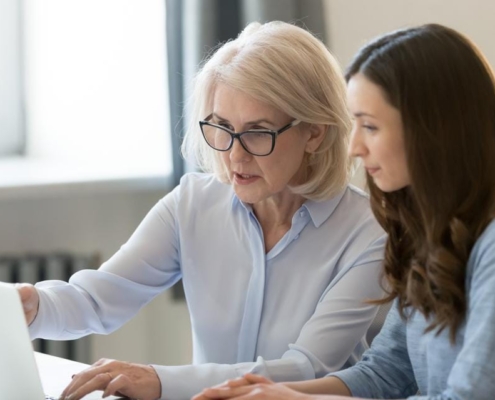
[(445, 91)]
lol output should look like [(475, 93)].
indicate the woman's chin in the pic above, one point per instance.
[(249, 195)]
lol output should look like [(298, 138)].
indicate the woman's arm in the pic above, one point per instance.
[(254, 386), (326, 385), (101, 301)]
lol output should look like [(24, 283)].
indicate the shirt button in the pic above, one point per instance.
[(302, 213), (296, 237)]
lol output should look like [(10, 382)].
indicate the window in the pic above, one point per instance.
[(11, 92), (95, 78)]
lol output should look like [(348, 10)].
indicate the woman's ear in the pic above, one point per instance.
[(316, 135)]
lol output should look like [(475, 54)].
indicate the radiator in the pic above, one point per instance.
[(33, 268)]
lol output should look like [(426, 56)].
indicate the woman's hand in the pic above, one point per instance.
[(250, 387), (115, 378), (245, 380), (30, 300)]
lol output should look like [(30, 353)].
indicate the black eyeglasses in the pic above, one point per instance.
[(258, 142)]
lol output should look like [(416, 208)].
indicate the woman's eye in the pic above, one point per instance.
[(225, 125), (369, 128)]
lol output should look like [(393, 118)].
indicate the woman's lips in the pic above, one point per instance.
[(244, 179), (372, 171)]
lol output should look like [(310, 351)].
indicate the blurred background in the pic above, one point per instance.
[(91, 113)]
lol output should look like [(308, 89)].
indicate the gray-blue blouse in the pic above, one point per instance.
[(404, 360)]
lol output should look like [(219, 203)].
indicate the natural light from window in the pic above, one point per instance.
[(96, 87), (11, 115)]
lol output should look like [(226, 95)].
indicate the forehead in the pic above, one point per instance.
[(225, 96), (231, 103), (364, 96)]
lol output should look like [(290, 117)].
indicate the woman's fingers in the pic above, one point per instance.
[(237, 382), (226, 392), (253, 378), (115, 377), (226, 389), (98, 382), (82, 378), (120, 386)]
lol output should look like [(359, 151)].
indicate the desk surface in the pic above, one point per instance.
[(56, 373)]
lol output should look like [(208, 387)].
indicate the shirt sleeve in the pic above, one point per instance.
[(325, 343), (472, 375), (101, 301), (385, 371)]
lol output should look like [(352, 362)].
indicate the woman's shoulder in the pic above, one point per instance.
[(355, 203), (485, 245), (358, 196), (481, 261), (195, 193), (199, 179), (197, 183), (202, 188), (350, 210)]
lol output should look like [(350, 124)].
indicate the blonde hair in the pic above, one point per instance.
[(286, 67)]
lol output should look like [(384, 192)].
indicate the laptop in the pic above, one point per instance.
[(19, 376)]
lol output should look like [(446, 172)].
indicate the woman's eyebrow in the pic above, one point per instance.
[(254, 122), (363, 114), (214, 114)]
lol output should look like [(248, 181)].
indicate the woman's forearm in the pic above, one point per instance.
[(328, 385)]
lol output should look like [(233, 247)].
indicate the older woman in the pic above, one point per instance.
[(277, 253)]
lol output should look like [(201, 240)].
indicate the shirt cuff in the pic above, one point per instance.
[(48, 320), (184, 381)]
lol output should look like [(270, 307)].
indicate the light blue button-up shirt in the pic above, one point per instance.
[(403, 359), (296, 312)]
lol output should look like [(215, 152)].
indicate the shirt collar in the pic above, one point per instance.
[(319, 211)]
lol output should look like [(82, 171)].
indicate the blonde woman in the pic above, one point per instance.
[(276, 251)]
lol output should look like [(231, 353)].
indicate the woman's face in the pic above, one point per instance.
[(255, 178), (377, 135)]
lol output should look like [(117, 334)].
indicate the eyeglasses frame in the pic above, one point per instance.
[(234, 135)]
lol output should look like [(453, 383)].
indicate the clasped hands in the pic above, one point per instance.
[(116, 378), (251, 387)]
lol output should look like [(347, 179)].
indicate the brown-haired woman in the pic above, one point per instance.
[(423, 100)]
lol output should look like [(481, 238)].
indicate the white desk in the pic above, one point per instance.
[(56, 373)]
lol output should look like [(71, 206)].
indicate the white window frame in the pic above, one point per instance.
[(11, 79)]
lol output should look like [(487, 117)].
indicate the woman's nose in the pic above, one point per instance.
[(357, 147), (238, 153)]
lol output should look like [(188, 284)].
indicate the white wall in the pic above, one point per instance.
[(352, 23)]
